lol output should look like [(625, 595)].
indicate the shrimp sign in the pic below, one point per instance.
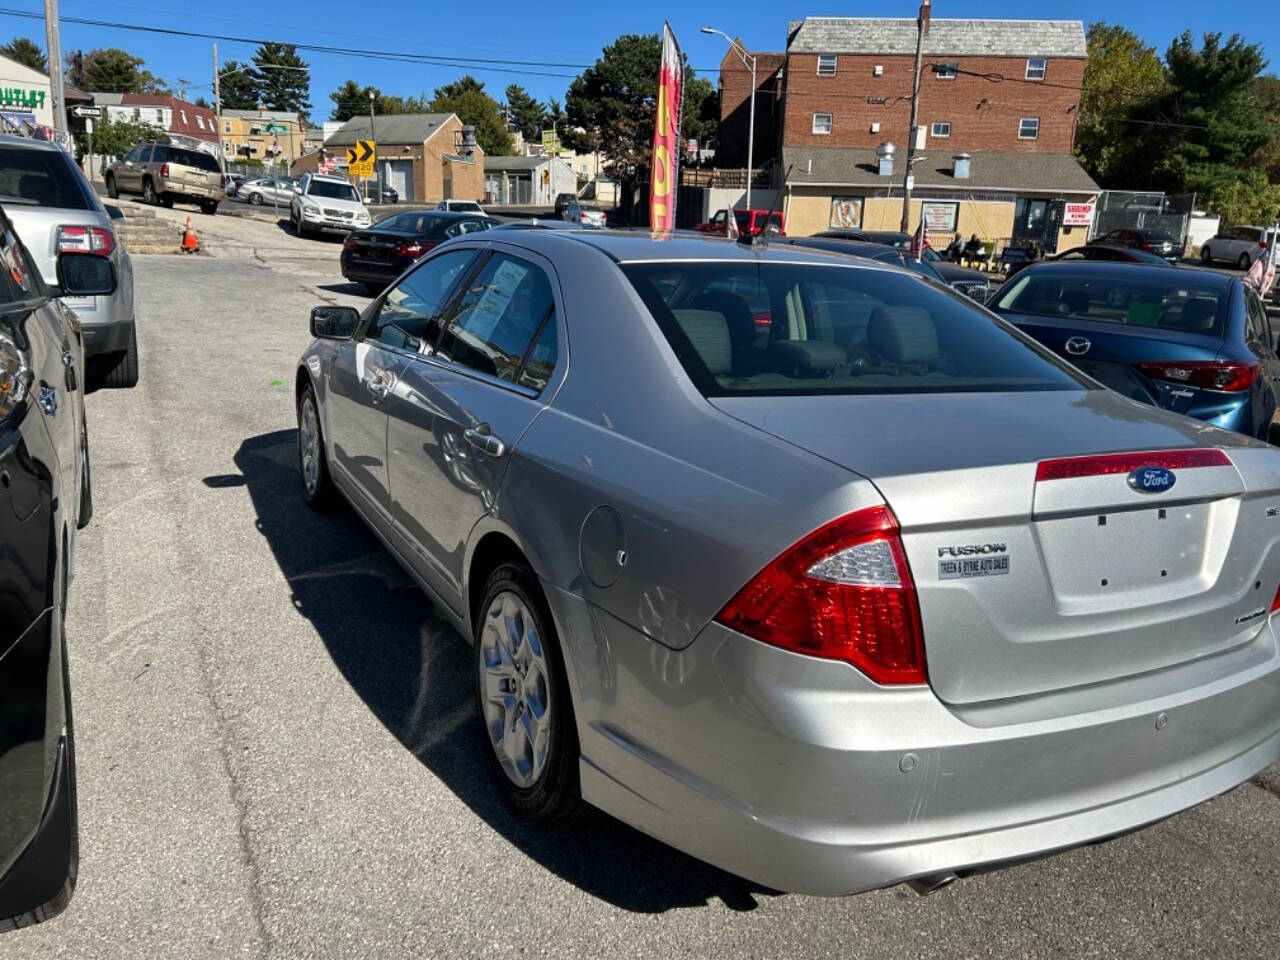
[(665, 174)]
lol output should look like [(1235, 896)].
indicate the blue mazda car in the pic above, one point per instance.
[(1191, 341)]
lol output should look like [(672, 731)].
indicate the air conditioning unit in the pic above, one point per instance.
[(875, 128)]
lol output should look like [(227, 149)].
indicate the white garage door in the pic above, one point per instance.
[(400, 177)]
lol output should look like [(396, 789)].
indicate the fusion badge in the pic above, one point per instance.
[(972, 560)]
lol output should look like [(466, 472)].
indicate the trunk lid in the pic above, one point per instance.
[(1027, 583)]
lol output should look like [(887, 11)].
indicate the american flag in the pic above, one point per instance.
[(1263, 272), (920, 242)]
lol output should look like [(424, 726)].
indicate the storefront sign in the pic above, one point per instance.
[(846, 213), (1077, 214), (18, 97), (941, 217)]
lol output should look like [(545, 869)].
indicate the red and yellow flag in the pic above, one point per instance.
[(665, 174)]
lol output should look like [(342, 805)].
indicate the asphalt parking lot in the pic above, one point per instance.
[(279, 757)]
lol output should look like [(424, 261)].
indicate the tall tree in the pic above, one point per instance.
[(26, 52), (614, 100), (526, 113), (390, 103), (700, 119), (282, 89), (350, 100), (1121, 70), (238, 87), (112, 70), (466, 97), (1267, 159)]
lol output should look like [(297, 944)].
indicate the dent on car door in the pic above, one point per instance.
[(465, 406)]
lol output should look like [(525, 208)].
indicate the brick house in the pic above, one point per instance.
[(424, 156), (181, 119), (1000, 95), (735, 107)]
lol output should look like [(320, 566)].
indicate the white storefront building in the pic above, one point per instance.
[(25, 96)]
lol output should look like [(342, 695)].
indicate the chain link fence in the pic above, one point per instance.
[(1123, 209)]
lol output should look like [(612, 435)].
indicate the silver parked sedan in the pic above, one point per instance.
[(804, 565)]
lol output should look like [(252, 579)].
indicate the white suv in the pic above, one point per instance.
[(1238, 245), (326, 203)]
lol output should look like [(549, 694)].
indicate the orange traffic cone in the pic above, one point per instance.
[(189, 242)]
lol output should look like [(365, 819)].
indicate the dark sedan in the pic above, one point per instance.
[(969, 282), (1099, 253), (1191, 341), (1159, 242), (378, 254)]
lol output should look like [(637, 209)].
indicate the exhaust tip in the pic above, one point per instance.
[(932, 883)]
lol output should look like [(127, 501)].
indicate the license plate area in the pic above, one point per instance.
[(1119, 557)]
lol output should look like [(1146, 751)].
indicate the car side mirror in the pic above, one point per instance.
[(114, 212), (85, 275), (334, 323)]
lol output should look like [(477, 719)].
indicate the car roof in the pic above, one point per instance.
[(9, 140), (637, 246), (857, 248), (1132, 271), (438, 214), (329, 179)]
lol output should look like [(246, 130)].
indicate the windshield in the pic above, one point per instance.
[(329, 190), (1178, 301), (779, 329), (464, 207), (42, 178), (194, 158)]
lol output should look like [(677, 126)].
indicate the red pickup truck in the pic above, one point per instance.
[(750, 222)]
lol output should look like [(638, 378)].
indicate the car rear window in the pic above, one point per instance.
[(416, 222), (194, 158), (1181, 301), (42, 178), (775, 329)]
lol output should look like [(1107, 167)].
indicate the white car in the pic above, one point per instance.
[(1238, 245), (584, 214), (460, 206), (268, 190), (326, 203)]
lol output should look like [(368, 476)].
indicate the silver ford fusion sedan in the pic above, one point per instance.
[(802, 564)]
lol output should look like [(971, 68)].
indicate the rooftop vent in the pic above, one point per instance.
[(961, 166), (468, 151), (884, 159)]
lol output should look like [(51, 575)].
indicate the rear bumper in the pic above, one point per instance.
[(802, 775), (364, 272), (192, 190)]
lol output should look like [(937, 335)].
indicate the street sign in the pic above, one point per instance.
[(360, 158), (88, 124), (87, 111), (550, 141), (276, 128)]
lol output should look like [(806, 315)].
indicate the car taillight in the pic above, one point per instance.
[(164, 169), (1275, 604), (844, 592), (1105, 464), (415, 249), (349, 242), (1225, 375), (99, 240)]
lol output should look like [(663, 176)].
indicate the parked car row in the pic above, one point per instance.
[(66, 301), (772, 470)]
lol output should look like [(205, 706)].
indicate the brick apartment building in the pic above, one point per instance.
[(735, 107), (1002, 95)]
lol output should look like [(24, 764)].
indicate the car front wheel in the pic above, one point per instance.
[(1243, 262), (255, 199), (1206, 257), (522, 697), (317, 485)]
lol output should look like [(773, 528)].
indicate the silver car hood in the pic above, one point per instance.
[(889, 435)]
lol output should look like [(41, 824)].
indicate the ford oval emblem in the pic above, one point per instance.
[(1152, 479), (1078, 345)]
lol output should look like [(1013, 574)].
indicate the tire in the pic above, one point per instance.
[(209, 206), (149, 192), (537, 790), (373, 289), (124, 374), (317, 485), (255, 199), (112, 191), (1244, 261), (299, 227), (1206, 257), (166, 200)]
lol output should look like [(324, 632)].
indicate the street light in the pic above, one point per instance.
[(217, 93), (747, 60)]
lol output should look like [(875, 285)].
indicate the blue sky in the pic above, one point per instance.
[(505, 30)]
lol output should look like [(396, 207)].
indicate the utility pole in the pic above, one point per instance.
[(217, 114), (922, 27), (53, 35), (372, 95), (749, 60)]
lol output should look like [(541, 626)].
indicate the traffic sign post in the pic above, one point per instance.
[(361, 158), (94, 112)]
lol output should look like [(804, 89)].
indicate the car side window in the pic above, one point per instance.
[(498, 317), (1257, 315), (411, 308)]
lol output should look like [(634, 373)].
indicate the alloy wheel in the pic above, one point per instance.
[(516, 689), (309, 445)]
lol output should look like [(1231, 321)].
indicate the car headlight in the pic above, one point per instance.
[(15, 375), (362, 218)]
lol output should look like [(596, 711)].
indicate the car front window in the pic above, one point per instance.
[(326, 190)]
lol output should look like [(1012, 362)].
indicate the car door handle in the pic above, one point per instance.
[(379, 384), (484, 441)]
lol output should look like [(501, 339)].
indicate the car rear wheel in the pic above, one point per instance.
[(1243, 262), (522, 697), (124, 373), (1205, 256), (112, 191), (255, 199), (149, 192), (209, 206), (317, 485)]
